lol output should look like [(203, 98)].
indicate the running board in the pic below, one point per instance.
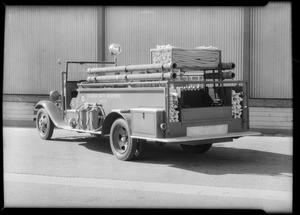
[(80, 131), (215, 137)]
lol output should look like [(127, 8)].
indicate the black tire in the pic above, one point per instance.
[(121, 144), (194, 149), (44, 124), (140, 148)]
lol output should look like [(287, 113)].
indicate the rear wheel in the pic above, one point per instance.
[(140, 148), (44, 124), (121, 144), (194, 149)]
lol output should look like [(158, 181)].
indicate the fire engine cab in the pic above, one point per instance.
[(184, 96)]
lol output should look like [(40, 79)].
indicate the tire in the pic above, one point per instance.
[(121, 144), (196, 148), (44, 124), (140, 149)]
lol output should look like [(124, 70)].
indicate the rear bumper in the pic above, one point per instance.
[(201, 138)]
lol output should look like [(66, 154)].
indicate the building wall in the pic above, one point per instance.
[(271, 64), (139, 29), (270, 38), (37, 36), (271, 118), (271, 51)]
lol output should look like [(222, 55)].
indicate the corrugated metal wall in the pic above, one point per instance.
[(270, 41), (138, 29), (36, 36)]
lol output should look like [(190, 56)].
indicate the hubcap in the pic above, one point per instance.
[(120, 139), (43, 124)]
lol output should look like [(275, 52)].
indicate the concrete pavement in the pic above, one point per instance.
[(77, 170)]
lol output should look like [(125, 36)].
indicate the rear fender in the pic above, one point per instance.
[(54, 112), (111, 117)]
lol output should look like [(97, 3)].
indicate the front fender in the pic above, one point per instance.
[(54, 112)]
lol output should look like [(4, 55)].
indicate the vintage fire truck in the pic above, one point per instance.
[(184, 96)]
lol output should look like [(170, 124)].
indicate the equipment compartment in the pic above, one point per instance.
[(146, 122), (195, 98)]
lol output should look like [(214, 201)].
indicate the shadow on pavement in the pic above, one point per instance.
[(217, 161), (221, 160), (99, 144)]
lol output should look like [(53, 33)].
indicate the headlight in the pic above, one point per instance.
[(54, 95)]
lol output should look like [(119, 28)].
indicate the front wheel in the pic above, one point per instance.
[(194, 149), (44, 124), (121, 144)]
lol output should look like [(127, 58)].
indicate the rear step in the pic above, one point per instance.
[(200, 137)]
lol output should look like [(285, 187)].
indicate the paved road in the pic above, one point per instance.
[(77, 170)]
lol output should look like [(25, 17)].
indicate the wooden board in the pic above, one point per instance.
[(271, 118), (189, 59), (18, 111)]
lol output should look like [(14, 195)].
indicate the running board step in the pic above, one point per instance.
[(79, 130)]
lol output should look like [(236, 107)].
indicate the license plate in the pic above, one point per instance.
[(207, 130)]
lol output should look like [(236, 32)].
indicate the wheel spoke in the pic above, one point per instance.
[(123, 147), (122, 131), (121, 143), (45, 120), (122, 139), (44, 128), (43, 124)]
